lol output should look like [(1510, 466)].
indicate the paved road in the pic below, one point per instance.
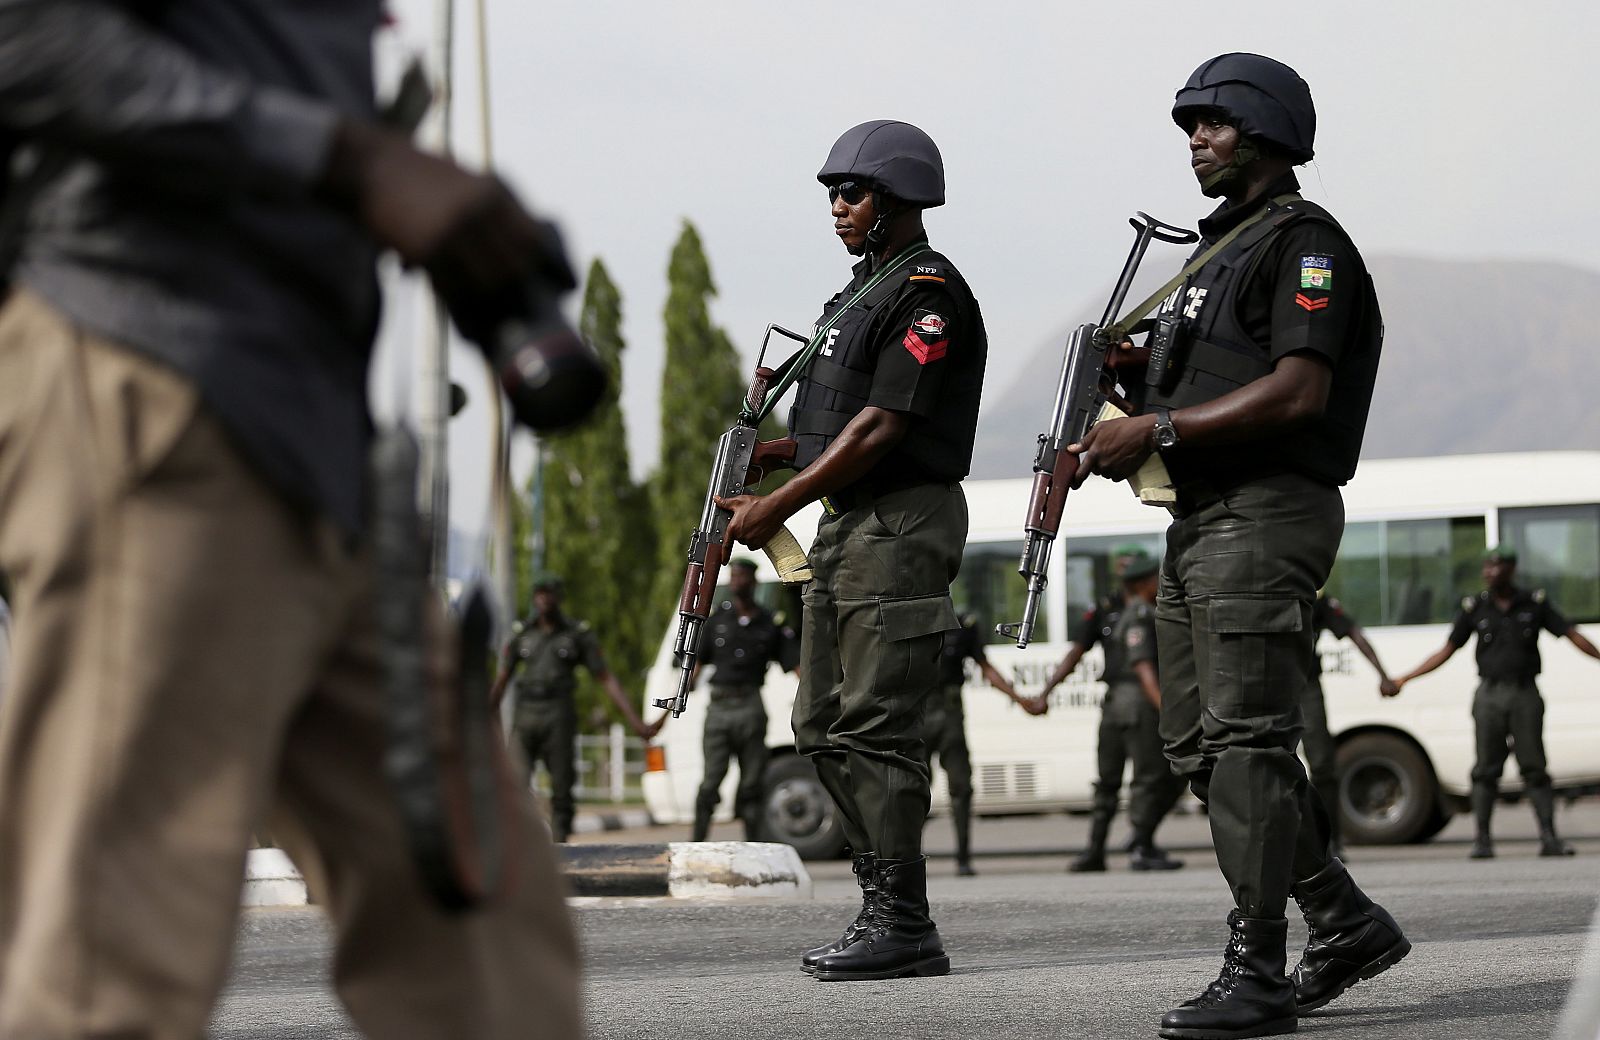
[(1037, 953)]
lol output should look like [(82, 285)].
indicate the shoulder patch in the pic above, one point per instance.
[(582, 626), (1538, 595), (1468, 603), (926, 339), (1316, 272), (1335, 606)]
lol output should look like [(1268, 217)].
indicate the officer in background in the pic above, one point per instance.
[(1507, 705), (884, 418), (1097, 622), (947, 726), (741, 638), (541, 665), (1130, 728), (1257, 388), (1328, 615)]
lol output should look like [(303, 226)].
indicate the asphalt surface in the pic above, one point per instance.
[(1036, 952)]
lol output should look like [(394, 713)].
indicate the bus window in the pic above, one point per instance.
[(1089, 579), (1407, 572), (988, 587), (1558, 550)]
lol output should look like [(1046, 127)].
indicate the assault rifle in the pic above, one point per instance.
[(1085, 394), (741, 463)]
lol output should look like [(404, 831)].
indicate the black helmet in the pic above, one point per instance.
[(1264, 98), (895, 156)]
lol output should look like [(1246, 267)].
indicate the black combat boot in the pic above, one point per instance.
[(1544, 807), (1147, 855), (963, 823), (864, 864), (1093, 859), (702, 824), (901, 939), (1250, 997), (1350, 937), (752, 829), (1482, 812)]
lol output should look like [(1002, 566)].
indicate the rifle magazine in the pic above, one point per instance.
[(788, 558)]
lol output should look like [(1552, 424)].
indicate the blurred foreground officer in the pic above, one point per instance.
[(1256, 396), (884, 418), (541, 664), (947, 727), (183, 446), (742, 638), (1130, 728), (1507, 705), (1322, 754)]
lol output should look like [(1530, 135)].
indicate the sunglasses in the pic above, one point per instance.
[(851, 191)]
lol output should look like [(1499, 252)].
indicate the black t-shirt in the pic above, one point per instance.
[(1508, 641), (931, 349), (1307, 293), (960, 646)]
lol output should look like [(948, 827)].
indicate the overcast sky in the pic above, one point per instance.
[(1459, 130)]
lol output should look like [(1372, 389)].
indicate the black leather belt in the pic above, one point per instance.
[(864, 492), (736, 692)]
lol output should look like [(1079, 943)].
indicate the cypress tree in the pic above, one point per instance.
[(599, 532), (701, 388)]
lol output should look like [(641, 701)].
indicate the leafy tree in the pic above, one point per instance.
[(701, 388), (599, 531)]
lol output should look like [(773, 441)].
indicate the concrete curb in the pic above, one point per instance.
[(271, 880), (687, 869)]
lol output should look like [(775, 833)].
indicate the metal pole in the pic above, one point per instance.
[(434, 411), (502, 492)]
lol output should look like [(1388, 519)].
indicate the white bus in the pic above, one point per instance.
[(1414, 538)]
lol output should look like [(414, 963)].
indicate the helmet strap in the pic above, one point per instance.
[(878, 234), (1218, 183)]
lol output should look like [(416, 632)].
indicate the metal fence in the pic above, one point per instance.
[(609, 767)]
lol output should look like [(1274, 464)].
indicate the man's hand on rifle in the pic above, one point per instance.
[(1114, 448), (756, 518), (1128, 358)]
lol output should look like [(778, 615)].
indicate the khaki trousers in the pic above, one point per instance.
[(192, 655)]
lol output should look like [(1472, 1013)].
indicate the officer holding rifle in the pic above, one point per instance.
[(884, 419), (1256, 394)]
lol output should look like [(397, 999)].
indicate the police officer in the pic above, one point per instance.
[(884, 419), (741, 638), (1507, 705), (1256, 396), (947, 726), (1328, 615), (1130, 721), (541, 664), (1097, 622)]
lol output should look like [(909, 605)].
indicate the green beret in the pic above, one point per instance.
[(1504, 552), (743, 561), (1141, 565), (547, 580), (1129, 549)]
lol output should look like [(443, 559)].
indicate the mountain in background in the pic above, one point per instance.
[(1477, 357)]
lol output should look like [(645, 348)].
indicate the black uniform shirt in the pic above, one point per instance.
[(741, 647), (1132, 641), (931, 351), (1508, 641), (1327, 614), (960, 646), (1096, 624), (1307, 293), (550, 659)]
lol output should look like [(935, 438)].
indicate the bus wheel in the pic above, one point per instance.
[(1387, 791), (799, 811)]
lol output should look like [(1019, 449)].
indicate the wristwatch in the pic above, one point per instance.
[(1165, 435)]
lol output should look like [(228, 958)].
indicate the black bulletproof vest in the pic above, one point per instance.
[(1508, 643), (835, 388), (1209, 354)]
